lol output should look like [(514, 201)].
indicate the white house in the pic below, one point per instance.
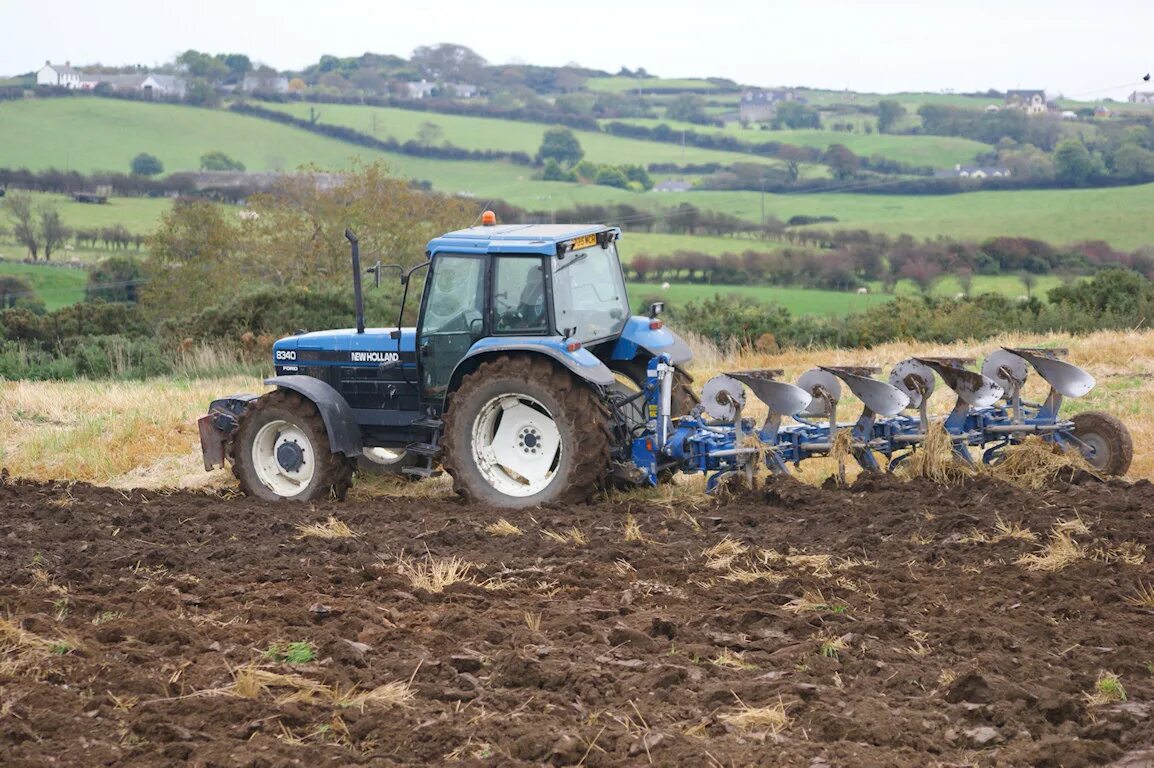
[(265, 81), (167, 85), (1142, 97), (1032, 102), (421, 90), (57, 75)]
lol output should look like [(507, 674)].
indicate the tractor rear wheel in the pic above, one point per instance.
[(520, 432), (281, 452), (1110, 447)]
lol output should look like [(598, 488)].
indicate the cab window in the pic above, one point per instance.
[(519, 295)]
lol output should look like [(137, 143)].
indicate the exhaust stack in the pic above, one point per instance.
[(358, 298)]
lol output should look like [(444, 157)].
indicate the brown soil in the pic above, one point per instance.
[(916, 644)]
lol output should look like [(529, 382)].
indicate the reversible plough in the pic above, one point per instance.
[(990, 414)]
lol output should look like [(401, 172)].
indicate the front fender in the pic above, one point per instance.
[(637, 338), (582, 363), (340, 422)]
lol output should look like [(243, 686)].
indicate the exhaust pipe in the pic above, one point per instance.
[(358, 298)]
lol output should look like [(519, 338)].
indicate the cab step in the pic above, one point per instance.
[(424, 449), (429, 422)]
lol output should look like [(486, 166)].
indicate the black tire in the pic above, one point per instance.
[(379, 464), (581, 420), (1114, 450), (332, 473)]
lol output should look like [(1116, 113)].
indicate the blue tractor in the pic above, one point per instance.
[(522, 378)]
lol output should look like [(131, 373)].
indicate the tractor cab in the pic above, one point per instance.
[(551, 287)]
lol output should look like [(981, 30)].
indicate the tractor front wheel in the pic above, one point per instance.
[(1109, 448), (520, 432), (281, 452)]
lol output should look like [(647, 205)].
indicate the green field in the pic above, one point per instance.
[(506, 135), (652, 84), (57, 286), (806, 301), (1118, 216), (936, 151)]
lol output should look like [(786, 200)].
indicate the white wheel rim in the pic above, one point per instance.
[(384, 456), (516, 445), (281, 480)]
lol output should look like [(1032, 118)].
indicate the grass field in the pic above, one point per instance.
[(1118, 216), (652, 84), (936, 151), (806, 301), (506, 135), (57, 286)]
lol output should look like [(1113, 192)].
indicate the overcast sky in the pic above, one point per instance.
[(1080, 49)]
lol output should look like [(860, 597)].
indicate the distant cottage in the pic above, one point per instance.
[(1031, 102), (1142, 97), (974, 172), (54, 75), (759, 106)]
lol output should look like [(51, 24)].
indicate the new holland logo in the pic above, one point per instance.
[(374, 357)]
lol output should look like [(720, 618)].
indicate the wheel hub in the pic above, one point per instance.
[(290, 456), (529, 440)]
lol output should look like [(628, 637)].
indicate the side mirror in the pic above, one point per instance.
[(656, 308)]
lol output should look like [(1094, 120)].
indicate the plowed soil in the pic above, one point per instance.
[(887, 623)]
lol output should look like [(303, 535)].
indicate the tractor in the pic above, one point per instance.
[(524, 337), (527, 379)]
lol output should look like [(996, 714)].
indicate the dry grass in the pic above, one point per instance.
[(1060, 551), (1143, 597), (21, 649), (434, 574), (330, 529), (572, 536), (731, 659), (631, 530), (935, 459), (503, 528), (251, 682), (771, 718), (1034, 463)]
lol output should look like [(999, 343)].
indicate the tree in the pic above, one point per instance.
[(52, 230), (889, 112), (219, 161), (554, 172), (448, 62), (1132, 161), (17, 293), (689, 108), (842, 162), (114, 279), (560, 144), (429, 133), (145, 164), (202, 65), (793, 156), (24, 227), (611, 176), (1073, 164), (791, 114), (1029, 281)]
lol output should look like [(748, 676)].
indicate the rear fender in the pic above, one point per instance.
[(639, 340), (581, 362), (340, 422)]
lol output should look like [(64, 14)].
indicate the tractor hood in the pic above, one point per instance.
[(347, 347)]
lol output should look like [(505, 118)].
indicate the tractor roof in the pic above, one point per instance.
[(515, 238)]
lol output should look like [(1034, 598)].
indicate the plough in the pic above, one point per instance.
[(990, 414)]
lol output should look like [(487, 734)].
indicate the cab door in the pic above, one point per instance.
[(452, 318)]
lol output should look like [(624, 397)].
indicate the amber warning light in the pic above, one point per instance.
[(488, 219)]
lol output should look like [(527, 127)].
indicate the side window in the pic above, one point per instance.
[(455, 299), (519, 295)]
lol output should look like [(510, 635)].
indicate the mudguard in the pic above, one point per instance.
[(637, 338), (340, 421), (581, 362)]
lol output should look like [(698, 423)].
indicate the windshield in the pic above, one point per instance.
[(589, 293)]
